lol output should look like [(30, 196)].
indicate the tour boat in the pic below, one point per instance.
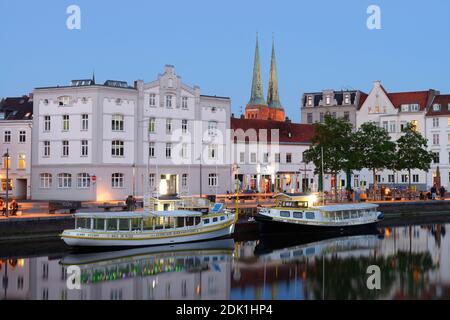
[(301, 213), (130, 229)]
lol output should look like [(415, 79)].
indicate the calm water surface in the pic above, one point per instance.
[(414, 263)]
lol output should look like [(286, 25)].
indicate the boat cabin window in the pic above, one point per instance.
[(298, 215), (83, 223), (215, 219), (310, 215), (136, 224), (222, 218), (192, 221), (148, 224), (285, 214), (294, 204), (206, 221), (124, 224), (346, 214), (99, 224), (111, 224)]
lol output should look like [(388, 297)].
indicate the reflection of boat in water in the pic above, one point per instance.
[(213, 247), (300, 213), (279, 249)]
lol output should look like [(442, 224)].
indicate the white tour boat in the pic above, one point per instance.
[(129, 229), (301, 213)]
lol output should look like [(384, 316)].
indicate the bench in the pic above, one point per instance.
[(70, 206), (121, 206)]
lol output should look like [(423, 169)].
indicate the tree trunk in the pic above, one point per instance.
[(374, 184)]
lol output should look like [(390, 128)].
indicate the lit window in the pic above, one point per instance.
[(151, 125), (22, 162), (310, 101), (66, 122)]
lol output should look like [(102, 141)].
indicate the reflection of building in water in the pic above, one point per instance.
[(156, 277), (14, 277)]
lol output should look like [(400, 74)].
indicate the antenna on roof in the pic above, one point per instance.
[(93, 76)]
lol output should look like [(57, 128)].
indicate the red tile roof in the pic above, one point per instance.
[(362, 98), (444, 101), (289, 132), (420, 97)]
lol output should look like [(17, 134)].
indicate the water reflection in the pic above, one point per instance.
[(414, 262)]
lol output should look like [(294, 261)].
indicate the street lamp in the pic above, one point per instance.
[(6, 156)]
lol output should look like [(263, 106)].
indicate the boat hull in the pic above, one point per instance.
[(268, 225), (72, 239)]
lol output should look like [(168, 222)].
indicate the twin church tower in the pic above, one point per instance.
[(257, 108)]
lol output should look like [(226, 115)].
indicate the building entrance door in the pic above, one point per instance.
[(21, 189)]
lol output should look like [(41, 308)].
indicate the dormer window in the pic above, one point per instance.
[(436, 107), (328, 100), (310, 101), (347, 99), (414, 107), (405, 107)]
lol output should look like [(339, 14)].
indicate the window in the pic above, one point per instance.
[(45, 180), (242, 157), (184, 180), (405, 107), (309, 118), (347, 115), (66, 122), (184, 125), (84, 148), (7, 163), (328, 100), (436, 107), (65, 148), (151, 179), (22, 163), (321, 117), (64, 101), (152, 101), (266, 157), (46, 149), (415, 125), (47, 124), (310, 215), (288, 157), (212, 180), (435, 139), (310, 101), (386, 125), (168, 126), (212, 151), (298, 215), (415, 178), (7, 136), (391, 178), (212, 128), (414, 107), (169, 101), (83, 180), (435, 122), (436, 157), (277, 157), (392, 127), (184, 151), (404, 178), (168, 150), (285, 214), (22, 136), (347, 99), (117, 122), (84, 122), (64, 180), (117, 149), (117, 180), (184, 102), (253, 157), (151, 149), (151, 125), (378, 178)]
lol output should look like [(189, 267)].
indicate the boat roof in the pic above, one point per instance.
[(346, 207), (128, 215)]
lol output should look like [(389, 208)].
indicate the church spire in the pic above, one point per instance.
[(257, 89), (273, 97)]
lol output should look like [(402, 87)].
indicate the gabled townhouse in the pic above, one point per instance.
[(16, 117), (393, 111), (438, 135)]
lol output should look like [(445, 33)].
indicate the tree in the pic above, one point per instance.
[(333, 137), (412, 152), (376, 149)]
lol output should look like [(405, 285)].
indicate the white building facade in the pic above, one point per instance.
[(104, 142)]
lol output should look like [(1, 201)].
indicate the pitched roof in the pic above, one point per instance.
[(289, 132), (444, 102), (419, 97), (16, 108)]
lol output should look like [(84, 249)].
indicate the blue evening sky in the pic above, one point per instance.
[(320, 44)]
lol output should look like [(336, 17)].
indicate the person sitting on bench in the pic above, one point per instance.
[(13, 207)]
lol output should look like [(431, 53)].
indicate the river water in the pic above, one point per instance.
[(413, 262)]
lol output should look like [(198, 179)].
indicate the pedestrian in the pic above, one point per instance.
[(433, 192), (14, 207), (442, 192), (130, 202)]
